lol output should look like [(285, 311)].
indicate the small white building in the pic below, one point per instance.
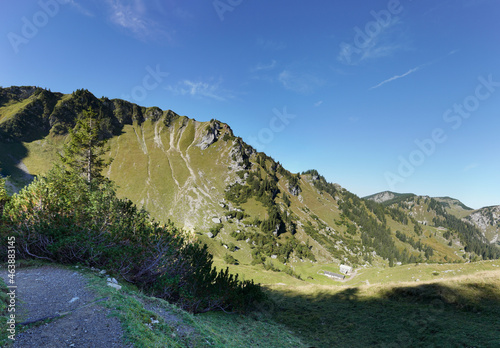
[(334, 275), (345, 269)]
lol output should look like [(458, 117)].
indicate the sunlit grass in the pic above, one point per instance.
[(8, 111)]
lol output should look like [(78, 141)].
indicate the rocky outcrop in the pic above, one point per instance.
[(383, 197), (278, 229), (153, 114), (485, 218), (16, 93), (240, 154), (212, 135), (294, 190)]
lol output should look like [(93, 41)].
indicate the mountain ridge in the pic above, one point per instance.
[(239, 201), (487, 219)]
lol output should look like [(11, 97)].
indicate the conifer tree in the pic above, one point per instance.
[(3, 194), (83, 154)]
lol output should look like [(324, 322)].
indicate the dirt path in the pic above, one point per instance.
[(78, 318)]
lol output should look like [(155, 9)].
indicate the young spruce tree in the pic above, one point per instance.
[(3, 194), (83, 154)]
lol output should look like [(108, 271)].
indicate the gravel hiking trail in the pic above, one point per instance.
[(62, 311)]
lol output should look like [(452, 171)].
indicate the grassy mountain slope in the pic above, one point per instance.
[(454, 206), (486, 219), (248, 208)]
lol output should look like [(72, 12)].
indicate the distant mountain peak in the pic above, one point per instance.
[(386, 196)]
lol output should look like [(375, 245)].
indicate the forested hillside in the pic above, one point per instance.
[(477, 229)]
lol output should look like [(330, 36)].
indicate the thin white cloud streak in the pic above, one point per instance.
[(302, 83), (411, 71), (384, 43), (133, 15), (396, 77), (199, 89), (128, 16), (81, 9)]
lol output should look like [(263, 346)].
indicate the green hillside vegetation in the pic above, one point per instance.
[(190, 172), (72, 215), (152, 322), (211, 216), (454, 206), (11, 109), (435, 212)]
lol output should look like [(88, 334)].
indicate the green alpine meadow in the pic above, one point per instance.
[(188, 216)]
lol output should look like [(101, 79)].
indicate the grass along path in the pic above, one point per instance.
[(453, 312), (151, 322)]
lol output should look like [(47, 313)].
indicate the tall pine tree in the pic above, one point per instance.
[(84, 153)]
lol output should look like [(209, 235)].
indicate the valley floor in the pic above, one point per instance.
[(456, 311), (424, 305)]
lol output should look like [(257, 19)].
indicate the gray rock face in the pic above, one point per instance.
[(277, 229), (154, 114), (383, 197), (485, 217), (22, 92), (238, 152), (211, 137), (294, 190)]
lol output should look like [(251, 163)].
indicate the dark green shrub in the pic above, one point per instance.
[(216, 229), (229, 259), (63, 219)]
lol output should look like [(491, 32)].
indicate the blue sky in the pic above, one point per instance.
[(376, 95)]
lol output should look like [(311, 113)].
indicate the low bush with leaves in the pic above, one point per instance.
[(64, 219), (229, 259)]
